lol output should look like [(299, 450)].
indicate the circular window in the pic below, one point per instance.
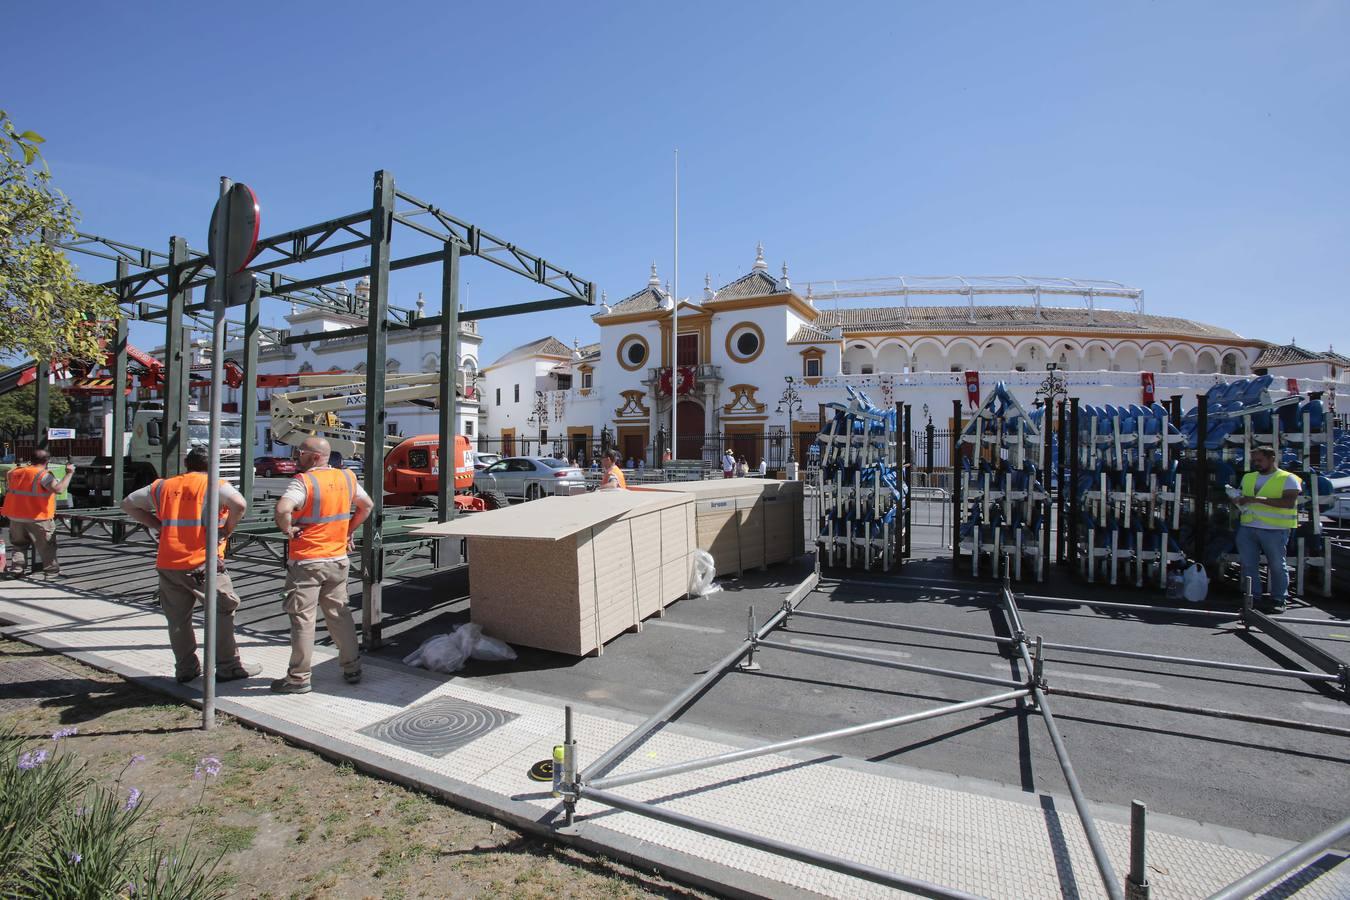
[(745, 342), (633, 352)]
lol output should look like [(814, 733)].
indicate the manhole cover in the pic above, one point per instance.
[(438, 726), (27, 682)]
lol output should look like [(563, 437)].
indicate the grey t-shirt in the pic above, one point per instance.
[(143, 499), (47, 482), (297, 491)]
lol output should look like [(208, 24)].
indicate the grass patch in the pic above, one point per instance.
[(365, 832), (227, 838)]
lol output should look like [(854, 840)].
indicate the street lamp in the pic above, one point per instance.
[(1054, 385), (790, 402), (539, 417)]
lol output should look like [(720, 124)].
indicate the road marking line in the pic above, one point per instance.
[(703, 628), (1326, 707), (1084, 676), (848, 648)]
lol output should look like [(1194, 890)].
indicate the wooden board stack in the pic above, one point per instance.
[(569, 573), (745, 523), (861, 496)]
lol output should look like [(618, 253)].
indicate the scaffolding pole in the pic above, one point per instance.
[(377, 335)]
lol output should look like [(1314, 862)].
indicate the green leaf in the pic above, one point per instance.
[(32, 136)]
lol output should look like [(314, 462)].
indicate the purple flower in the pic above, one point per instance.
[(75, 858), (208, 767), (65, 733), (131, 888), (138, 758), (32, 759), (133, 800)]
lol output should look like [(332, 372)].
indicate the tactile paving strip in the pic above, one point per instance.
[(438, 726)]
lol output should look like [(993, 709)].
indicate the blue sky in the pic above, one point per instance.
[(1196, 150)]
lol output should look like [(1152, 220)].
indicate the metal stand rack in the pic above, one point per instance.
[(1001, 503), (1031, 692), (864, 501)]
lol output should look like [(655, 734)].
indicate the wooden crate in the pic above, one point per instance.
[(570, 573)]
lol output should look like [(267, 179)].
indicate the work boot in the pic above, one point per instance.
[(286, 686), (52, 576), (237, 670), (352, 677), (184, 676)]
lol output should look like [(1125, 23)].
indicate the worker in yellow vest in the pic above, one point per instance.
[(1268, 501), (30, 506), (175, 508), (320, 511), (611, 476)]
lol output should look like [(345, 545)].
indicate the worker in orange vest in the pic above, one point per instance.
[(175, 508), (30, 506), (320, 511), (611, 476)]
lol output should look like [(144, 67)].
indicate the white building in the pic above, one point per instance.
[(737, 347), (410, 351)]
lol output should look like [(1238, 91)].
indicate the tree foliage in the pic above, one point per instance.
[(46, 311), (18, 412)]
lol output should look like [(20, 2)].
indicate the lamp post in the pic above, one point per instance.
[(790, 402), (539, 417), (1054, 386)]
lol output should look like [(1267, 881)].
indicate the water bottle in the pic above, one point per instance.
[(2, 556), (558, 759)]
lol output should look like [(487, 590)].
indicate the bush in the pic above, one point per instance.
[(64, 835)]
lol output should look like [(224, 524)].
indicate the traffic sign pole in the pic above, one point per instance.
[(233, 237)]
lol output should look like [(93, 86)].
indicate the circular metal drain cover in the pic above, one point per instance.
[(438, 726)]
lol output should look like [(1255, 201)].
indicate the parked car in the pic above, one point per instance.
[(530, 477), (482, 460), (274, 466)]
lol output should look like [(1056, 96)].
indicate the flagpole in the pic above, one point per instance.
[(675, 320)]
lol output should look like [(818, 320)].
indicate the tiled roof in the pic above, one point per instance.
[(1014, 318), (589, 350), (645, 300), (810, 334), (1292, 354), (545, 346), (757, 283)]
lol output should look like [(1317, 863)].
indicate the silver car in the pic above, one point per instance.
[(530, 477)]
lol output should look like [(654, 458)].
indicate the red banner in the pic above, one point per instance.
[(1146, 378), (973, 389), (1291, 385), (686, 381)]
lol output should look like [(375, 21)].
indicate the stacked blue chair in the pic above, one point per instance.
[(862, 495)]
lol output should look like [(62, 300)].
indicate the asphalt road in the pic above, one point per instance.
[(1270, 780)]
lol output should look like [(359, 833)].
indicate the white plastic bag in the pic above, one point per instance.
[(701, 579), (449, 653), (1195, 583)]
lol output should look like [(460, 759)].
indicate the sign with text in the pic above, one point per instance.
[(60, 434)]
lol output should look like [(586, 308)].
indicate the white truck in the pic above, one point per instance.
[(144, 443)]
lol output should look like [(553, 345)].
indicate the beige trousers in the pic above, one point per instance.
[(179, 594), (39, 539), (319, 585)]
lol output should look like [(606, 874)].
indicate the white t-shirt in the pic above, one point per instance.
[(1293, 484), (728, 463)]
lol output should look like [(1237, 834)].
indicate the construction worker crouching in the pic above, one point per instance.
[(176, 509), (30, 505), (320, 510), (1269, 503)]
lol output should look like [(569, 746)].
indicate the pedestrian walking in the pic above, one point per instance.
[(175, 509), (320, 510), (1269, 501), (728, 465), (30, 506)]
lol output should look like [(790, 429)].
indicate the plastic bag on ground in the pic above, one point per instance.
[(701, 579), (449, 653), (1195, 583)]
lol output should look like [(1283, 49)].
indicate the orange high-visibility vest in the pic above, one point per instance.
[(324, 519), (25, 498), (180, 506)]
